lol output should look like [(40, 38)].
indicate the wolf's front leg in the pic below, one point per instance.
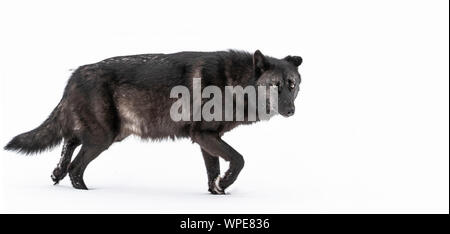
[(213, 169), (214, 145)]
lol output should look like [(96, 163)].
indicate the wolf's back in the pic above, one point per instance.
[(44, 137)]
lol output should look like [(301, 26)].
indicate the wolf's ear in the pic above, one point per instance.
[(294, 60), (259, 63)]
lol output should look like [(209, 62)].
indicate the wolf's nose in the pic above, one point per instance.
[(290, 111)]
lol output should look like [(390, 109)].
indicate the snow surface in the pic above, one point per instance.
[(167, 177)]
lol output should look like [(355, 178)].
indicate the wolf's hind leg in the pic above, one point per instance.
[(213, 170), (66, 155), (88, 152)]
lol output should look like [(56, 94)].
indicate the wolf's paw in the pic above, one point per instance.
[(58, 174), (77, 182), (215, 188)]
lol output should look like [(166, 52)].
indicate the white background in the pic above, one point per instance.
[(370, 134)]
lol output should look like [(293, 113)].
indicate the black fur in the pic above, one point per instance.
[(107, 101), (46, 136)]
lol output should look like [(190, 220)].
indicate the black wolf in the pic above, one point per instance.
[(107, 101)]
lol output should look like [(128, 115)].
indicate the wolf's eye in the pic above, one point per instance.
[(291, 84)]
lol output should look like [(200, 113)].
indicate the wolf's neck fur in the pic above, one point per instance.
[(239, 68)]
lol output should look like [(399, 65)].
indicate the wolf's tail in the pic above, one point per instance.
[(44, 137)]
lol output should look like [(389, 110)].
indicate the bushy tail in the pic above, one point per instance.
[(44, 137)]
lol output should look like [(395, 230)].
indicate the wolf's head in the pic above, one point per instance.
[(282, 73)]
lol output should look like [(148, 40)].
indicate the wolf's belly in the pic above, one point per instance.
[(149, 123)]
